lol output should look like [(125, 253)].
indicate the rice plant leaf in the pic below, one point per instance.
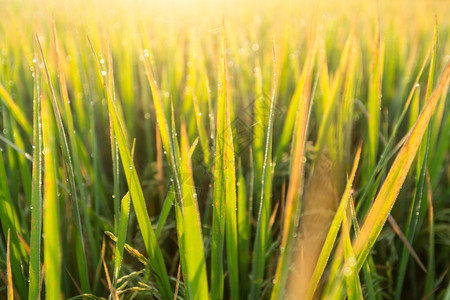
[(10, 289), (354, 291), (262, 226), (243, 232), (195, 258), (220, 184), (72, 156), (52, 241), (36, 200), (122, 233), (374, 97), (10, 220), (364, 204), (388, 193), (168, 203), (294, 193), (137, 196), (15, 110)]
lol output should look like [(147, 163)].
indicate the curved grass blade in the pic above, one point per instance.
[(77, 174), (151, 244), (388, 193), (15, 110), (67, 158), (364, 204)]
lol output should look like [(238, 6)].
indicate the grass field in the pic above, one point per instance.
[(224, 149)]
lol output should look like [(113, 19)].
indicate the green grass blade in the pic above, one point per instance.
[(374, 98), (351, 275), (195, 258), (220, 184), (137, 196), (122, 234), (243, 233), (410, 224), (52, 241), (262, 231), (15, 110), (10, 220), (72, 156), (168, 203), (36, 200), (10, 289)]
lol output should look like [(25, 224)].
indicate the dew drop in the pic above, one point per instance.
[(171, 179), (103, 73), (351, 261), (102, 61), (417, 84), (131, 167)]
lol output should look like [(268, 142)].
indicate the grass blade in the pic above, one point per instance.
[(388, 193), (52, 241), (137, 196), (122, 233), (262, 226), (168, 202), (195, 258), (36, 200), (10, 289), (296, 181), (354, 291), (15, 110)]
